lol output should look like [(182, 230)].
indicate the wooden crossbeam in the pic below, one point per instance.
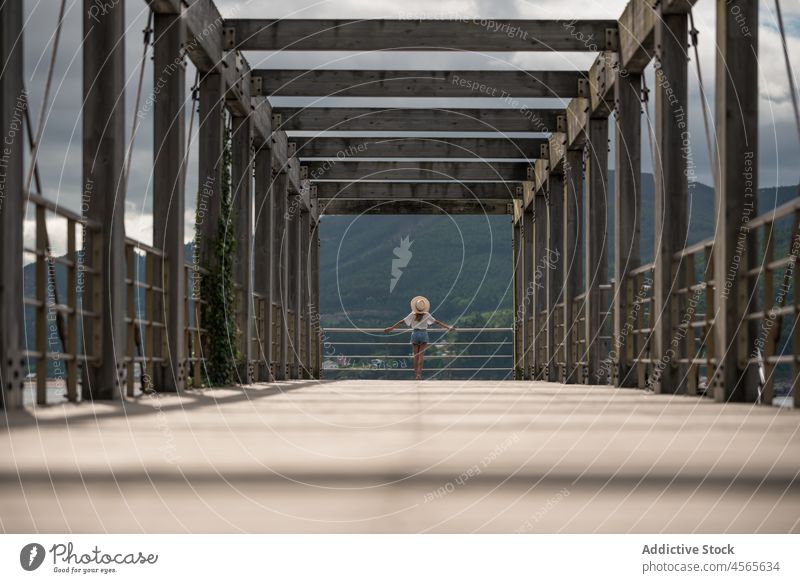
[(412, 207), (376, 83), (415, 35), (206, 48), (358, 170), (417, 119), (481, 191), (413, 147)]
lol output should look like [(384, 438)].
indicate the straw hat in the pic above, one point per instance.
[(420, 305)]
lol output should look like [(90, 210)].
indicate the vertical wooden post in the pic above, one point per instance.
[(518, 295), (242, 205), (734, 250), (295, 278), (209, 183), (263, 248), (528, 306), (554, 256), (669, 168), (104, 146), (280, 290), (627, 215), (305, 294), (573, 246), (12, 111), (316, 322), (540, 277), (169, 200), (596, 256)]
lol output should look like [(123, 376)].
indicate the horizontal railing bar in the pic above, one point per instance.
[(641, 269), (348, 369), (380, 330), (59, 356), (149, 249), (57, 209), (504, 343), (778, 213), (394, 356), (694, 249)]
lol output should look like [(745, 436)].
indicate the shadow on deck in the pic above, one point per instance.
[(397, 456)]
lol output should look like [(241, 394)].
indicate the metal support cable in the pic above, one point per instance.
[(711, 141), (135, 126), (48, 84)]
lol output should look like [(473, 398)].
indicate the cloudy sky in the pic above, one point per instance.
[(60, 156)]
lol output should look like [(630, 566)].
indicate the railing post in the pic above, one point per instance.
[(541, 268), (263, 258), (573, 245), (528, 305), (671, 194), (627, 215), (555, 271), (242, 205), (12, 197), (518, 275), (104, 146), (169, 185), (736, 197), (596, 256)]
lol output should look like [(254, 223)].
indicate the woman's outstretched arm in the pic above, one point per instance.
[(443, 325), (393, 326)]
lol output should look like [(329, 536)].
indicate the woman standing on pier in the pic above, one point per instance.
[(419, 320)]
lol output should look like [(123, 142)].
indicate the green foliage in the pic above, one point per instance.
[(221, 351)]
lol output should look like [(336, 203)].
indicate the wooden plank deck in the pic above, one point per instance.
[(400, 456)]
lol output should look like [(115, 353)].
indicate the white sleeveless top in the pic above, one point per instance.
[(423, 324)]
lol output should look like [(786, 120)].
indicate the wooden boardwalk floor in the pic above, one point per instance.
[(437, 456)]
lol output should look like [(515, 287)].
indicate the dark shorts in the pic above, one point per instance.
[(419, 337)]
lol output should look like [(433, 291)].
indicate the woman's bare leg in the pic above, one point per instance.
[(415, 360), (421, 357)]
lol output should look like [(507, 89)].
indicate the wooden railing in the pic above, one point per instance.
[(196, 334), (775, 318), (639, 290), (62, 314), (147, 269), (693, 293)]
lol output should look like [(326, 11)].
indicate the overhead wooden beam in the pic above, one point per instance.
[(380, 83), (414, 147), (637, 30), (206, 48), (482, 191), (577, 114), (354, 170), (322, 119), (411, 35), (413, 207)]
